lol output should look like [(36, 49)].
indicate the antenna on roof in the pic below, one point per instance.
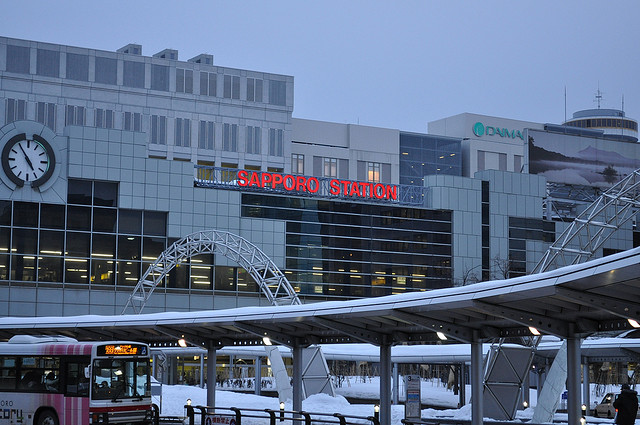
[(598, 96), (565, 103)]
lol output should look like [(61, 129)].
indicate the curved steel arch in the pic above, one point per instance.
[(591, 228), (267, 275)]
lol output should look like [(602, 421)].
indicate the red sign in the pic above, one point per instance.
[(307, 184)]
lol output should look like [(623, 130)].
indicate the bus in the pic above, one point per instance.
[(56, 380)]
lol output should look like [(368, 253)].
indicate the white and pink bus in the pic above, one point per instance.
[(57, 380)]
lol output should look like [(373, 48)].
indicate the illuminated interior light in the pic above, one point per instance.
[(182, 342), (101, 255), (441, 336), (534, 331), (75, 260), (634, 323), (51, 252), (266, 340)]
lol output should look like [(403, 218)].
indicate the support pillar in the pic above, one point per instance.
[(462, 385), (297, 377), (574, 411), (257, 364), (385, 384), (586, 393), (211, 375), (396, 384), (477, 369), (202, 372)]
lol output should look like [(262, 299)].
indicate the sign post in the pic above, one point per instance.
[(412, 406)]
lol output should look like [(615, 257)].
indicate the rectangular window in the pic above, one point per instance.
[(106, 70), (16, 110), (330, 167), (160, 77), (254, 90), (46, 114), (517, 163), (502, 161), (278, 93), (230, 137), (297, 163), (276, 142), (208, 83), (104, 118), (183, 132), (254, 139), (373, 172), (48, 63), (18, 59), (158, 129), (133, 74), (74, 115), (132, 121), (231, 87), (184, 81), (206, 135), (77, 67), (481, 160)]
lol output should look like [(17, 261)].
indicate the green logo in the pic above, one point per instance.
[(478, 129)]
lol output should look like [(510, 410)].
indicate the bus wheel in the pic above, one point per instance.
[(47, 417)]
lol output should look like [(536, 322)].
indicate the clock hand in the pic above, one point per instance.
[(26, 157)]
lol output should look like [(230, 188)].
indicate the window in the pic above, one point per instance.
[(517, 163), (330, 167), (48, 63), (231, 87), (230, 137), (16, 110), (208, 83), (106, 70), (502, 161), (254, 90), (133, 74), (158, 129), (481, 160), (77, 67), (159, 77), (373, 172), (278, 93), (297, 163), (184, 81), (132, 121), (74, 115), (206, 135), (18, 59), (46, 114), (254, 139), (183, 132), (276, 142), (104, 118)]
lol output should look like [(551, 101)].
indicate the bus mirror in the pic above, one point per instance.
[(87, 372)]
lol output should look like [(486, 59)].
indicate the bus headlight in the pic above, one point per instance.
[(100, 418)]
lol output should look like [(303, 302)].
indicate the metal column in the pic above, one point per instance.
[(211, 375), (297, 377), (385, 384), (573, 381), (586, 394), (396, 384), (258, 374), (477, 373), (462, 386), (201, 371)]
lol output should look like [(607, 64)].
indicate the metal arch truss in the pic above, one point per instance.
[(591, 228), (269, 278)]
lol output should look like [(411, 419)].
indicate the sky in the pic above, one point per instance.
[(391, 64)]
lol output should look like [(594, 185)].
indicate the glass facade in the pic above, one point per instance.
[(423, 155), (520, 231), (340, 249)]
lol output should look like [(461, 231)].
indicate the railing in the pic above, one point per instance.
[(227, 178), (274, 417)]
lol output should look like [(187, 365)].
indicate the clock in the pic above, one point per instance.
[(28, 160)]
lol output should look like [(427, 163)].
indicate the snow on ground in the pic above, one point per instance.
[(174, 398)]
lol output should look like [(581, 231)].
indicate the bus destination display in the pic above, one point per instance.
[(122, 350)]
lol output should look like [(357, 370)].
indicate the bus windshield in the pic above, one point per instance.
[(121, 378)]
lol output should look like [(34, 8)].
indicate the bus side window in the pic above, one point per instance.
[(7, 373), (76, 383)]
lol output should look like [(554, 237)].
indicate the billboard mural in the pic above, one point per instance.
[(581, 160)]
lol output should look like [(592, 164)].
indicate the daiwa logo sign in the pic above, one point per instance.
[(479, 129)]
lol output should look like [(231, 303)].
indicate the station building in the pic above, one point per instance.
[(110, 157)]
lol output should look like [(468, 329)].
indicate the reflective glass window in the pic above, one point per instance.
[(48, 63), (77, 67), (133, 74), (78, 244), (106, 70), (52, 216), (78, 218), (18, 59), (155, 223), (25, 214), (130, 221)]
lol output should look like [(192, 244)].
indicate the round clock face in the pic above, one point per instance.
[(28, 160)]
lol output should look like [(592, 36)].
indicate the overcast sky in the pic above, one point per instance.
[(394, 64)]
